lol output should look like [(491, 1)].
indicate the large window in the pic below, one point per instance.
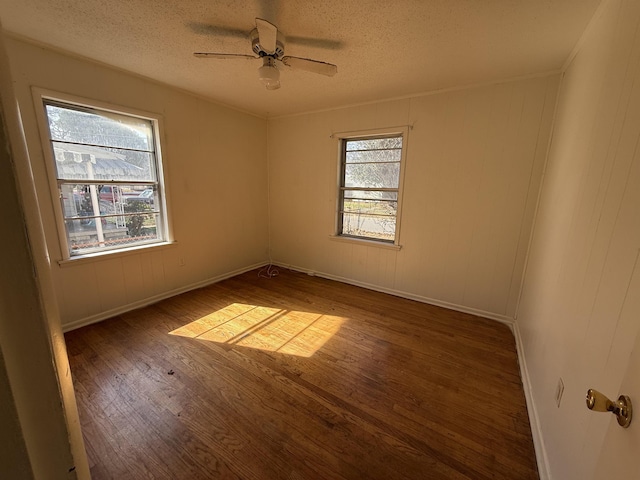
[(370, 182), (108, 179)]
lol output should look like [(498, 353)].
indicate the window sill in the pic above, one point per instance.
[(101, 256), (365, 242)]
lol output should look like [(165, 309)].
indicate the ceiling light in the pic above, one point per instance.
[(269, 74)]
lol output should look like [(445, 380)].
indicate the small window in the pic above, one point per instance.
[(370, 182), (108, 178)]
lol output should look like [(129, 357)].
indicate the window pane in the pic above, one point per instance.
[(143, 202), (370, 194), (374, 156), (111, 199), (107, 171), (383, 175), (369, 166), (374, 143), (85, 162), (99, 128), (362, 225), (85, 235), (378, 207)]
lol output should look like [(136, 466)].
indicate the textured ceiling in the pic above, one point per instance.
[(383, 49)]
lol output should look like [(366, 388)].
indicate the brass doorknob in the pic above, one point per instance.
[(621, 408)]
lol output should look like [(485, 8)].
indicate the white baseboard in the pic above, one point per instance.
[(534, 419), (156, 298), (398, 293)]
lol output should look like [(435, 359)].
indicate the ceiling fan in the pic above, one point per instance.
[(268, 44)]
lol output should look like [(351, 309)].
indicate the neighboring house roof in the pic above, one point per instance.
[(72, 163)]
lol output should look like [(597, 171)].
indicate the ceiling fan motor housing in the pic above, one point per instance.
[(258, 50)]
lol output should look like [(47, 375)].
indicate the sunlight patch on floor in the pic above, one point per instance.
[(265, 328)]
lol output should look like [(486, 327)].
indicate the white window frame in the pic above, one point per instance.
[(163, 226), (343, 137)]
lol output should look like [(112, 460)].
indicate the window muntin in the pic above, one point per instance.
[(369, 187), (107, 174)]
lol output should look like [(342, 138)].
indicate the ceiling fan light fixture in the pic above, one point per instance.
[(269, 74)]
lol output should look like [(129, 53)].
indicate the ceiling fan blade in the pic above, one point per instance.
[(224, 56), (267, 35), (314, 66)]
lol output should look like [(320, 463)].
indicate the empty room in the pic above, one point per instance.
[(320, 240)]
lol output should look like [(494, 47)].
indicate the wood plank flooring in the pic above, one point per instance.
[(297, 377)]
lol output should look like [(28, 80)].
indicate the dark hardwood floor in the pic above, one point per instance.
[(297, 377)]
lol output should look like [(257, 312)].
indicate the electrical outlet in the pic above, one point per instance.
[(181, 262), (559, 391)]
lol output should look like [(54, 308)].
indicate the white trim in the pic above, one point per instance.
[(534, 420), (111, 254), (372, 132), (402, 131), (39, 95), (399, 293), (156, 298), (365, 242), (429, 93)]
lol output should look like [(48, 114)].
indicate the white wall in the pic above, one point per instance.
[(579, 315), (215, 168), (473, 168)]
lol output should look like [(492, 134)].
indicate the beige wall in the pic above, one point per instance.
[(14, 458), (215, 169), (44, 440), (472, 178), (472, 174), (579, 314)]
